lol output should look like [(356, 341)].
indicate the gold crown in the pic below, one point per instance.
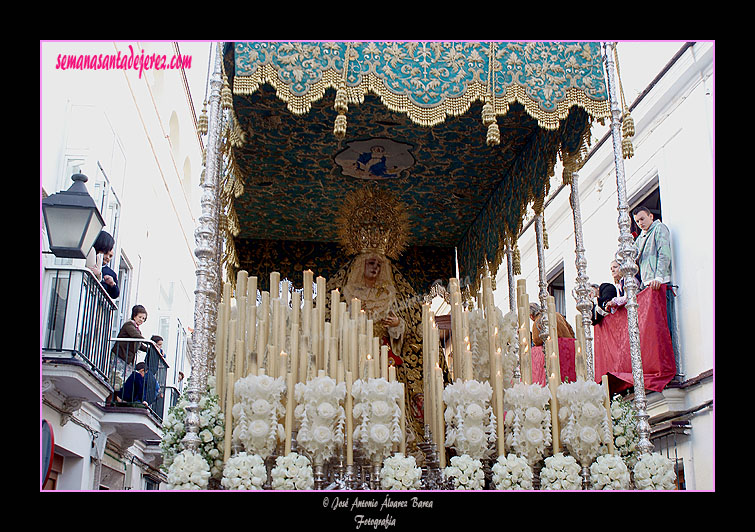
[(373, 220)]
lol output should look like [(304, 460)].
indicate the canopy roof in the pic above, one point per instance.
[(414, 109)]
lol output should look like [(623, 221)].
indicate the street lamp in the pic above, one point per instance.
[(72, 219)]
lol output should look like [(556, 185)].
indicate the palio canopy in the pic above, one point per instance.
[(414, 126)]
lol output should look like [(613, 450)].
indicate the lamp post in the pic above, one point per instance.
[(72, 220)]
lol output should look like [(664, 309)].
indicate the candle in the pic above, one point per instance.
[(499, 416), (579, 346), (303, 360), (264, 316), (238, 366), (339, 372), (468, 372), (441, 436), (553, 385), (555, 366), (607, 406), (384, 361), (220, 342), (282, 364), (322, 299), (525, 357), (307, 285), (289, 411), (335, 300), (275, 278), (370, 367), (228, 419), (402, 406), (333, 356), (349, 422), (392, 374)]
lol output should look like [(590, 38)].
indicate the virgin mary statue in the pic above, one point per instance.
[(373, 230)]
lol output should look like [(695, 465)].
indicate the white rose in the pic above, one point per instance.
[(588, 435), (326, 410), (474, 411), (258, 428), (380, 433), (381, 409), (534, 435), (261, 407), (322, 434), (474, 435), (534, 415)]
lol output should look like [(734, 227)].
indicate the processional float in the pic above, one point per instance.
[(311, 403)]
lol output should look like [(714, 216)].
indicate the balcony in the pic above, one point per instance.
[(80, 362)]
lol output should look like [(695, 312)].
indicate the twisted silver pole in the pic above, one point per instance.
[(542, 283), (205, 237), (582, 290), (626, 256)]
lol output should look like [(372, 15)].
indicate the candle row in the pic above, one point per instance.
[(292, 339)]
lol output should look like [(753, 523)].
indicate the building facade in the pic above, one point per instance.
[(132, 132), (673, 170)]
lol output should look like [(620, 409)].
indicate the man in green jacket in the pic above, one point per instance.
[(654, 246)]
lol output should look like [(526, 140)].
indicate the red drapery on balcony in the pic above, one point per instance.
[(565, 359), (612, 344)]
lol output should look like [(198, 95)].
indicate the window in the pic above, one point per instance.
[(556, 288)]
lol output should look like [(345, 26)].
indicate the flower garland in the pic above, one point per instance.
[(470, 422), (400, 472), (654, 472), (188, 471), (320, 415), (512, 472), (507, 341), (583, 419), (626, 436), (292, 472), (376, 406), (256, 411), (465, 472), (244, 472), (561, 472), (609, 472), (211, 430), (528, 421)]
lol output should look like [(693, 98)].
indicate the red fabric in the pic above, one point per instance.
[(611, 345), (565, 359)]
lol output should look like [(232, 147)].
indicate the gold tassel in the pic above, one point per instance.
[(226, 96), (545, 234), (341, 105), (494, 134), (517, 260), (627, 130), (202, 122)]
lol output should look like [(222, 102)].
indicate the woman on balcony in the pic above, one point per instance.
[(123, 354)]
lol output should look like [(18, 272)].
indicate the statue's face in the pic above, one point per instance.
[(372, 268)]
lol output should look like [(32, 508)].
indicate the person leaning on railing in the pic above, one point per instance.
[(124, 353)]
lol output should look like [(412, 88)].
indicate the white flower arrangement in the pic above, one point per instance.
[(561, 472), (292, 472), (470, 422), (244, 472), (609, 472), (211, 430), (583, 419), (465, 472), (506, 341), (256, 411), (188, 471), (376, 408), (512, 472), (625, 433), (400, 472), (320, 416), (528, 422), (654, 472)]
